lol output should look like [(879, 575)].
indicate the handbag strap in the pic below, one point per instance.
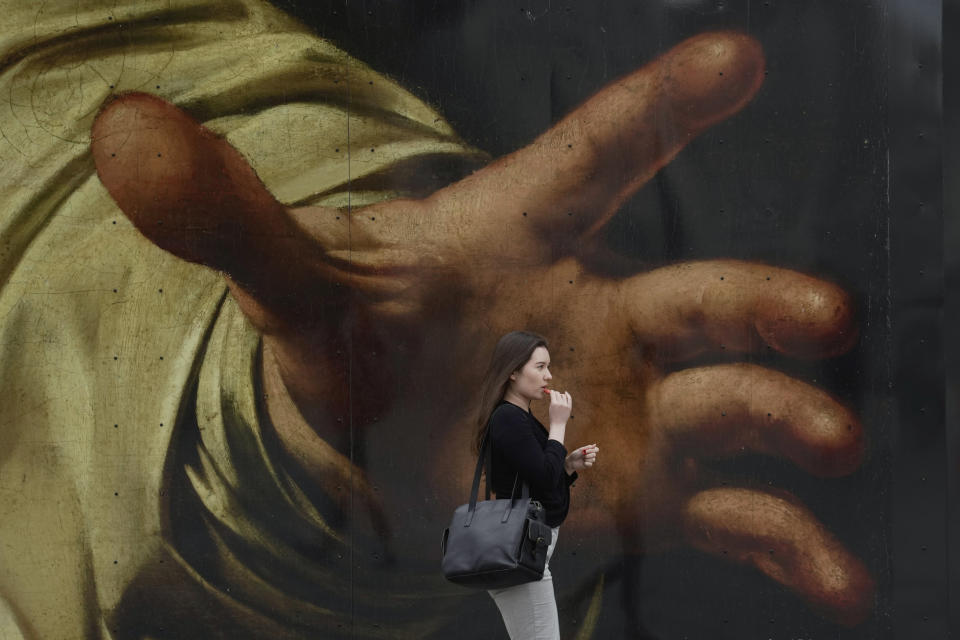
[(488, 472), (485, 458)]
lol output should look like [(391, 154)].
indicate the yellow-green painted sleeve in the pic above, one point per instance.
[(103, 337)]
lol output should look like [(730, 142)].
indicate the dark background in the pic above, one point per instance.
[(834, 169), (951, 208)]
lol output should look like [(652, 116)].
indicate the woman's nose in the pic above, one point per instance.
[(547, 375)]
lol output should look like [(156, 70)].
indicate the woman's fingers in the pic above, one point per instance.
[(725, 409), (589, 451), (781, 538), (683, 310), (571, 179), (587, 454)]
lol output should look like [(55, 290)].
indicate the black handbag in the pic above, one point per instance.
[(494, 544)]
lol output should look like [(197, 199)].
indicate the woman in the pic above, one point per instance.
[(518, 374)]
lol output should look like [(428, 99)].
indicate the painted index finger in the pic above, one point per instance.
[(569, 181)]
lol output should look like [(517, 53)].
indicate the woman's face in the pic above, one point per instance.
[(529, 382)]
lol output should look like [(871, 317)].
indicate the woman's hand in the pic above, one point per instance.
[(561, 404), (581, 458)]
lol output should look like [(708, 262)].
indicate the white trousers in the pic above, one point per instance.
[(529, 610)]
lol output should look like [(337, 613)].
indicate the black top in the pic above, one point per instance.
[(521, 444)]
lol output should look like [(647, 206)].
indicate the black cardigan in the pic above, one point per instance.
[(521, 444)]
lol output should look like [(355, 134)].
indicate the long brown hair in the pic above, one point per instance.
[(512, 352)]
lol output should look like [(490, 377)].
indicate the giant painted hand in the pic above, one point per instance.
[(419, 290)]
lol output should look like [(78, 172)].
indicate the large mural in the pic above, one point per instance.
[(253, 258)]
